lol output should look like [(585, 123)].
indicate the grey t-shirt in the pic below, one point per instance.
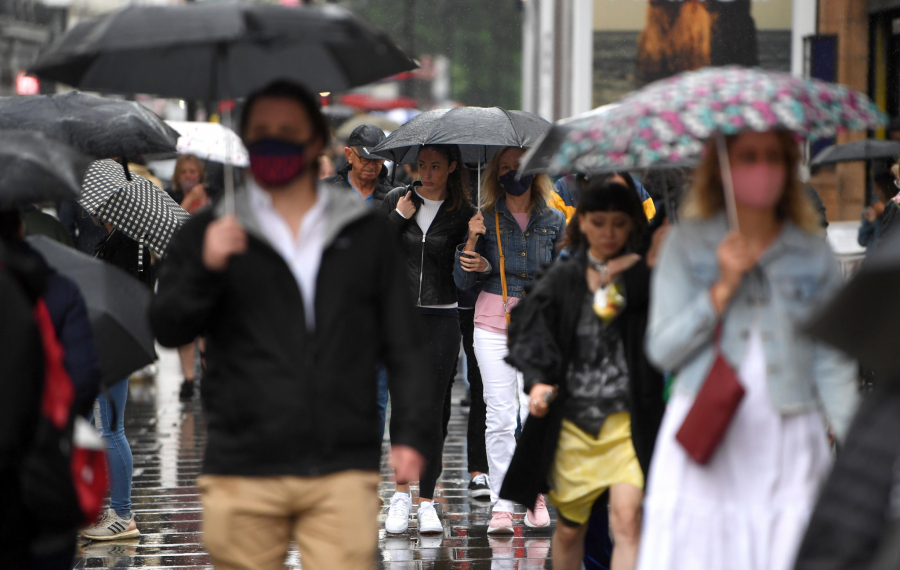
[(597, 379)]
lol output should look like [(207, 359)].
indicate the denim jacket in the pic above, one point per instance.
[(525, 252), (797, 274)]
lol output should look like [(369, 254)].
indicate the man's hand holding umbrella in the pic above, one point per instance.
[(224, 237)]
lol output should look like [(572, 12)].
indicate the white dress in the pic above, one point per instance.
[(748, 507)]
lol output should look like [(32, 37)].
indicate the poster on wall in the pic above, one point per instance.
[(639, 41)]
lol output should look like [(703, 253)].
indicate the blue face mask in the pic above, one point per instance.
[(515, 187)]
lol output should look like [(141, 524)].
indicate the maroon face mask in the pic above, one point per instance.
[(275, 162)]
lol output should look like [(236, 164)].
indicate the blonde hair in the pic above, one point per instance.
[(180, 164), (541, 186), (706, 197)]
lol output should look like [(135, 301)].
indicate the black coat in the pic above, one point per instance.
[(429, 262), (69, 315), (123, 252), (541, 343), (855, 523), (21, 382), (341, 179), (281, 399)]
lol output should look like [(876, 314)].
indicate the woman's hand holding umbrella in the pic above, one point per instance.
[(224, 237), (470, 260), (406, 206), (735, 260)]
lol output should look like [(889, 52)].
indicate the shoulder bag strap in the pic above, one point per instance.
[(502, 265)]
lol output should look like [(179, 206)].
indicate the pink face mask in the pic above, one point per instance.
[(759, 186)]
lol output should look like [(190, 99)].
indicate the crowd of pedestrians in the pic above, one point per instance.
[(591, 315)]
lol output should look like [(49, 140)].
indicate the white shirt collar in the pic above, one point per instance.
[(261, 200)]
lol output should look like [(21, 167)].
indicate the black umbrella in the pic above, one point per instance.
[(866, 149), (117, 307), (137, 207), (34, 168), (213, 51), (479, 132), (862, 318), (101, 128)]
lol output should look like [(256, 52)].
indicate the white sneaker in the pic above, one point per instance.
[(429, 522), (398, 516)]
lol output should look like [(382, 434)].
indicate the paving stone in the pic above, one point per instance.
[(167, 439)]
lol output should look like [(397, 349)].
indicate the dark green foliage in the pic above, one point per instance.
[(482, 38)]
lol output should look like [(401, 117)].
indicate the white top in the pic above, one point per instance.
[(427, 212), (747, 509), (303, 252)]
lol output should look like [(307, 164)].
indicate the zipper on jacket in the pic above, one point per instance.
[(421, 269)]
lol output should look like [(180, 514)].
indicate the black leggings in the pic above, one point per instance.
[(440, 336), (475, 444)]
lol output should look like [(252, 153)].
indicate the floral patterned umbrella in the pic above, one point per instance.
[(669, 120)]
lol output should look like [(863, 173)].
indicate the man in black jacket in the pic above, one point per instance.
[(283, 289), (364, 172)]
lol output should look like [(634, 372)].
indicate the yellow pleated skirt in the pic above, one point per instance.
[(585, 466)]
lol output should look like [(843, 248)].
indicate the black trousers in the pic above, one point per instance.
[(441, 336), (476, 447)]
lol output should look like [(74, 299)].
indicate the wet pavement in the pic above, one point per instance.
[(167, 439)]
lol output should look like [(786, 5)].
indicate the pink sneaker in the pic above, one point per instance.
[(501, 523), (538, 517)]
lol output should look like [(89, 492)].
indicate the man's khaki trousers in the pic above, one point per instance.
[(249, 522)]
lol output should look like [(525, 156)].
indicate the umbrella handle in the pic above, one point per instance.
[(124, 162), (228, 168), (727, 182)]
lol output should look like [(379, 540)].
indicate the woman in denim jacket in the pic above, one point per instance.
[(747, 508), (529, 232)]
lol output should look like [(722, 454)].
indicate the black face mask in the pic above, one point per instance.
[(515, 187)]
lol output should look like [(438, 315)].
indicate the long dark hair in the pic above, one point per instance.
[(608, 197), (458, 180)]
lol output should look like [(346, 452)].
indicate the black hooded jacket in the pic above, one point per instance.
[(281, 399), (382, 185)]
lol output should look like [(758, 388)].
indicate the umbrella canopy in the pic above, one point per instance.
[(867, 149), (862, 318), (137, 208), (101, 128), (164, 50), (380, 121), (668, 120), (479, 132), (117, 307), (211, 141), (34, 168)]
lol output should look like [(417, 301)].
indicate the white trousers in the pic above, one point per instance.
[(505, 401)]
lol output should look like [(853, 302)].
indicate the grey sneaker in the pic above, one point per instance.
[(112, 527)]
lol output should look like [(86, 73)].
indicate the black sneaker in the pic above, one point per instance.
[(187, 391), (478, 487)]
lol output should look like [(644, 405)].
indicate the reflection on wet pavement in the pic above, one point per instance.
[(167, 439)]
